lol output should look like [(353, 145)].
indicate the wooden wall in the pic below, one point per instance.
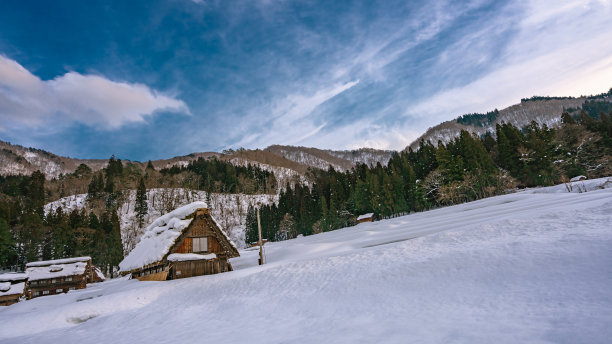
[(198, 267)]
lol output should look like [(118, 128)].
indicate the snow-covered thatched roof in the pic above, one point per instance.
[(36, 273), (58, 261), (365, 216), (6, 288), (160, 236)]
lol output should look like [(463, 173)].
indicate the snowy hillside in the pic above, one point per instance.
[(533, 266), (228, 209), (520, 115)]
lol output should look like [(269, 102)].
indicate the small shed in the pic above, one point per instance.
[(183, 243), (58, 276), (12, 287), (369, 217)]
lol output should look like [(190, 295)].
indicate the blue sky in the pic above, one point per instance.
[(154, 79)]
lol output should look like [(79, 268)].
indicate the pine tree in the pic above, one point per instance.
[(8, 252), (141, 206)]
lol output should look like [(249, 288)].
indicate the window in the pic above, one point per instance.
[(71, 288), (36, 293), (53, 280), (45, 292), (200, 244), (68, 279), (59, 290), (34, 282)]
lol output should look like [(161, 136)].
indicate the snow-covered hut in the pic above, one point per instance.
[(58, 276), (12, 287), (183, 243), (369, 217)]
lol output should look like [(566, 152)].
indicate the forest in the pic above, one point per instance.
[(28, 234), (466, 169)]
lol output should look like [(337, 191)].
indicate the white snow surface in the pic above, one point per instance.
[(527, 267), (54, 271), (365, 216), (58, 261), (180, 257), (13, 276), (6, 288), (159, 237)]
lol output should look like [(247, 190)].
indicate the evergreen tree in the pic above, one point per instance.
[(141, 206), (8, 252)]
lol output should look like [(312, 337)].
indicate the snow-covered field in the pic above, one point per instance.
[(529, 267)]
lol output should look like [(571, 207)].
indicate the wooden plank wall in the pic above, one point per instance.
[(198, 267)]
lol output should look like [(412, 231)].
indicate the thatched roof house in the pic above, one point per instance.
[(183, 243), (12, 287), (50, 277)]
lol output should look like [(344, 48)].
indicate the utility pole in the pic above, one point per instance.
[(260, 240)]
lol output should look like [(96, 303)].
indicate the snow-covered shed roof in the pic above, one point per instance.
[(13, 277), (365, 216), (58, 261), (160, 236), (6, 288), (36, 273)]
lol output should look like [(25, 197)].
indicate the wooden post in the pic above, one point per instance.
[(260, 240)]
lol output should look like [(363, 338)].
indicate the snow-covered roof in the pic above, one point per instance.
[(180, 257), (578, 178), (99, 273), (159, 237), (13, 276), (58, 261), (365, 216), (36, 273), (11, 289)]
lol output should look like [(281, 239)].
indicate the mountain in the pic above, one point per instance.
[(339, 160), (542, 110), (286, 162)]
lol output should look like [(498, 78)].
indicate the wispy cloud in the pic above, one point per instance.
[(93, 100), (558, 50)]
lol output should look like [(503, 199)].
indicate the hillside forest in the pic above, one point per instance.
[(466, 169)]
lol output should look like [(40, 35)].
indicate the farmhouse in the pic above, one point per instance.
[(183, 243), (12, 287), (366, 218), (58, 276)]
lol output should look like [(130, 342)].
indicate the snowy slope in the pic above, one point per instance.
[(532, 266)]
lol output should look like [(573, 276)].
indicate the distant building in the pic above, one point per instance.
[(12, 287), (366, 218), (58, 276), (184, 243)]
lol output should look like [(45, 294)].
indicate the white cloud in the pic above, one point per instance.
[(89, 99), (291, 120), (564, 52)]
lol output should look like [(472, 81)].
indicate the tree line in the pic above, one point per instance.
[(465, 169)]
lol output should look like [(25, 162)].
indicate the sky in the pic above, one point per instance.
[(156, 79)]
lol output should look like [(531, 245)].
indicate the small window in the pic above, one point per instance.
[(72, 288), (34, 283), (45, 292), (59, 290), (200, 244), (68, 279), (36, 293), (53, 280)]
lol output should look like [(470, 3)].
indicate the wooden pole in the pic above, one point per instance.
[(260, 240)]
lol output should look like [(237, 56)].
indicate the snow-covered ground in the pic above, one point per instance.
[(528, 267)]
